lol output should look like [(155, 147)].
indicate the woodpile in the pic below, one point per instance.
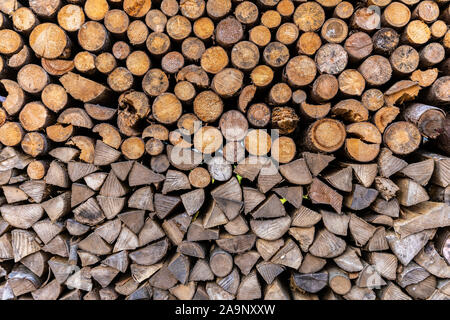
[(224, 149)]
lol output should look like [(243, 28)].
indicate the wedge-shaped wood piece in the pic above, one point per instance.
[(61, 268), (122, 169), (252, 197), (237, 226), (57, 175), (268, 248), (163, 279), (369, 278), (319, 192), (249, 168), (164, 204), (214, 216), (388, 164), (179, 266), (175, 180), (144, 292), (141, 272), (21, 216), (408, 247), (411, 274), (104, 275), (390, 208), (393, 292), (349, 260), (80, 280), (80, 193), (304, 236), (87, 259), (327, 245), (113, 187), (341, 179), (193, 200), (201, 271), (151, 231), (317, 162), (293, 195), (364, 173), (50, 291), (305, 217), (276, 291), (441, 173), (360, 198), (192, 249), (272, 229), (215, 292), (249, 288), (57, 206), (386, 188), (14, 194), (118, 261), (111, 206), (378, 219), (360, 230), (184, 291), (309, 282), (197, 232), (425, 215), (430, 260), (236, 244), (46, 230), (176, 227), (357, 293), (384, 263), (229, 197), (289, 255), (140, 175), (270, 208), (95, 180), (142, 199), (76, 117), (231, 282), (89, 212), (150, 254), (127, 240), (11, 158), (245, 261), (133, 219), (104, 154), (420, 172), (21, 280), (410, 192), (335, 223), (83, 89), (109, 231), (94, 244), (296, 172), (35, 189), (269, 271), (23, 244), (267, 179), (378, 241), (59, 245)]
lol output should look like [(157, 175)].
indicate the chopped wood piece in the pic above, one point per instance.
[(319, 192)]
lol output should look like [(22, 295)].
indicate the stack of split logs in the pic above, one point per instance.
[(224, 149)]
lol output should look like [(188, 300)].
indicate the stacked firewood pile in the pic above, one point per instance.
[(218, 149)]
